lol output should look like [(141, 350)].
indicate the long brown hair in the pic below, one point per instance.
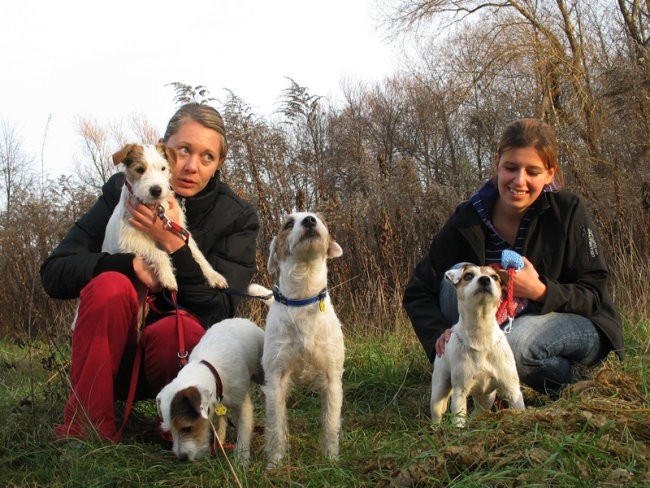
[(205, 115), (534, 133)]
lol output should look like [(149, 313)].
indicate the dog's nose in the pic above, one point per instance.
[(309, 221), (484, 281), (155, 191)]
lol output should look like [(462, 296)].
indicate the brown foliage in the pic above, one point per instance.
[(389, 165)]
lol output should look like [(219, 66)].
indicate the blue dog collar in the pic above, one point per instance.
[(300, 303)]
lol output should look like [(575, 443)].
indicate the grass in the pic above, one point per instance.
[(598, 434)]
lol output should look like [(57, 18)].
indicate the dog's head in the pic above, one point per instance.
[(185, 414), (476, 285), (303, 237), (147, 169)]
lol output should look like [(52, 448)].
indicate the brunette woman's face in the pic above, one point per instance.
[(521, 176), (198, 157)]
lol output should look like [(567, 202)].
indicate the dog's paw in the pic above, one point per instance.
[(168, 281), (216, 280)]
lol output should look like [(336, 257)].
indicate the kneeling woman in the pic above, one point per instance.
[(566, 319)]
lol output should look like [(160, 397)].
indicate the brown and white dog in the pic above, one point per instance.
[(477, 360), (147, 171), (303, 340), (218, 375)]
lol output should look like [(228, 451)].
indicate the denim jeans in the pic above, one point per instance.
[(550, 350)]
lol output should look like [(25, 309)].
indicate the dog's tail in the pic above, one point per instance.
[(260, 292)]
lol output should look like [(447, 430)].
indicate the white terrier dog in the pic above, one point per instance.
[(477, 360), (303, 341), (218, 375), (147, 171)]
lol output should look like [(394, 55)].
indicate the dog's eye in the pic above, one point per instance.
[(139, 170), (288, 225), (496, 278), (468, 276), (185, 430)]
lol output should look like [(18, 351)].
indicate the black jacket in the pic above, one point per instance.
[(224, 227), (561, 243)]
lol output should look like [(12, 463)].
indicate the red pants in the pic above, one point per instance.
[(104, 343)]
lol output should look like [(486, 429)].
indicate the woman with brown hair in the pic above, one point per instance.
[(565, 320)]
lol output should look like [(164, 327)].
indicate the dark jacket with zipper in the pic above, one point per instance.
[(224, 227), (561, 243)]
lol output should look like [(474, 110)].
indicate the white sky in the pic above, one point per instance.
[(108, 60)]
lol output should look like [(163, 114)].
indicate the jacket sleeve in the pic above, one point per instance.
[(233, 256), (71, 265), (582, 279)]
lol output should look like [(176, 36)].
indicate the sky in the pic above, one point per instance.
[(109, 60)]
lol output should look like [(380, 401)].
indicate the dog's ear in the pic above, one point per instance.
[(455, 274), (272, 264), (169, 153), (204, 408), (334, 250), (121, 155), (158, 402)]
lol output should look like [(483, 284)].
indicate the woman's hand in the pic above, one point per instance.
[(146, 275), (146, 220), (442, 342), (527, 283)]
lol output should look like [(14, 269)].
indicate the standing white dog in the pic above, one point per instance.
[(147, 171), (218, 375), (477, 360), (303, 341)]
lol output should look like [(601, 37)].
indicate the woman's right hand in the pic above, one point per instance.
[(146, 275), (442, 342)]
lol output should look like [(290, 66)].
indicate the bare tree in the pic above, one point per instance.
[(15, 165), (101, 141)]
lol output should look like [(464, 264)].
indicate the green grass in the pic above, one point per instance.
[(599, 432)]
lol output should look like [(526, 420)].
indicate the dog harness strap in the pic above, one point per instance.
[(300, 303), (217, 378)]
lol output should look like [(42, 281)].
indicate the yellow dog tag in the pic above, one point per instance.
[(220, 410), (321, 305)]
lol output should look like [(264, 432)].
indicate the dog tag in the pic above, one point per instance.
[(321, 305), (220, 410)]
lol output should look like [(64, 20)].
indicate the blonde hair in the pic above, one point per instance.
[(205, 115)]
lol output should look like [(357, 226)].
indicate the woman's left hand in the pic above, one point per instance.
[(527, 283), (146, 219)]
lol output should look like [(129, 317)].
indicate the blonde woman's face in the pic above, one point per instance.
[(198, 157), (521, 176)]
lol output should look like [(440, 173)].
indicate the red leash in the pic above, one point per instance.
[(137, 360), (508, 305), (182, 353)]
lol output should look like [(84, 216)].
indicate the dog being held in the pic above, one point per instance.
[(218, 375), (477, 360), (303, 341), (147, 170)]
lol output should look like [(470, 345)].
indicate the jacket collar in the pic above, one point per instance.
[(203, 201)]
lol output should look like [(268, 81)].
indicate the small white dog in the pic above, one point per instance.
[(477, 360), (218, 375), (147, 171), (303, 341)]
